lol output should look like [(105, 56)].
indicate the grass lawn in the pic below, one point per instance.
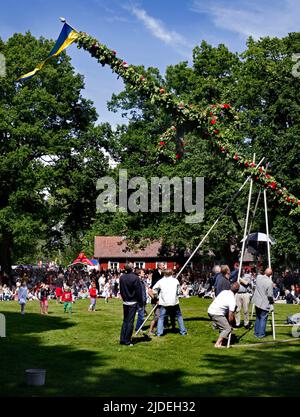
[(83, 357)]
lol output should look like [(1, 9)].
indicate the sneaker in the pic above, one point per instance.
[(151, 334)]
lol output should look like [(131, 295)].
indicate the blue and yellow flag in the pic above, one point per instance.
[(67, 36)]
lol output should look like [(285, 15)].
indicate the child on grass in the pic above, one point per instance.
[(22, 296), (93, 297), (67, 299)]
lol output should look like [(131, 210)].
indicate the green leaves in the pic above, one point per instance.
[(50, 152)]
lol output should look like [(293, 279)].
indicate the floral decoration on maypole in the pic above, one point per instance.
[(213, 120)]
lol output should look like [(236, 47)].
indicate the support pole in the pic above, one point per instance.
[(246, 227), (267, 229), (254, 212), (215, 223), (229, 340), (252, 312), (136, 333), (269, 254)]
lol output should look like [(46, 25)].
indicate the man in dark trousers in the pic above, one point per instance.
[(132, 295)]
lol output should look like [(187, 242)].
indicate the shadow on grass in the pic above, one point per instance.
[(268, 371), (197, 319), (142, 339), (74, 371)]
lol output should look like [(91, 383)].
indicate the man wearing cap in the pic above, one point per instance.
[(242, 299)]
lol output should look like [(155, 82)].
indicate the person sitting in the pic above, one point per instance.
[(289, 297), (276, 292)]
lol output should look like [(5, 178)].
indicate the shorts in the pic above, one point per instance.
[(58, 292), (44, 303)]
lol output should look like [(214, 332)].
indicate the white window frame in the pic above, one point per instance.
[(138, 266), (113, 267)]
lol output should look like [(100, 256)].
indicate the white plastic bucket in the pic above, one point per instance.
[(35, 376)]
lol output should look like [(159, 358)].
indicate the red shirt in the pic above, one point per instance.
[(93, 292), (67, 296)]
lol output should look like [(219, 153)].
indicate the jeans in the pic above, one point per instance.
[(172, 311), (127, 326), (140, 318), (260, 322)]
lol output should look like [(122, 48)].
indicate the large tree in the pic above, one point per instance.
[(50, 151), (260, 84)]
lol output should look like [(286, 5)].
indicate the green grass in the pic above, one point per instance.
[(83, 357)]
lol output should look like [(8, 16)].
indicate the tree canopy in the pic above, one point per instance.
[(216, 113), (50, 153), (260, 85)]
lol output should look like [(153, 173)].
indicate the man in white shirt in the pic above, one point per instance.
[(221, 311), (168, 288)]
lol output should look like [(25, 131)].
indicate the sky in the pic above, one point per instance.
[(153, 33)]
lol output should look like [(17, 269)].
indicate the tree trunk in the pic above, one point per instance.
[(5, 252)]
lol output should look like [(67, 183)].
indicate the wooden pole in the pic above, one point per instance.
[(269, 255), (246, 227), (215, 223)]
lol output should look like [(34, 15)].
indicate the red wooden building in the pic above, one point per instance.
[(113, 252)]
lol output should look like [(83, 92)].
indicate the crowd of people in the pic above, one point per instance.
[(160, 288)]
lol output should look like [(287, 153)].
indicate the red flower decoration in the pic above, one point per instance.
[(178, 156), (226, 106), (268, 176), (261, 169), (216, 131), (298, 202), (246, 164), (125, 65), (273, 185), (213, 122), (253, 164), (162, 90), (114, 52), (162, 142), (173, 128), (236, 157), (142, 78)]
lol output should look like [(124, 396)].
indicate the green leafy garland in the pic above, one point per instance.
[(214, 119)]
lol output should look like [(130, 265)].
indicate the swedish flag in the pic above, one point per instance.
[(67, 36)]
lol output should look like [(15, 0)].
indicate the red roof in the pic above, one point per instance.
[(117, 247)]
